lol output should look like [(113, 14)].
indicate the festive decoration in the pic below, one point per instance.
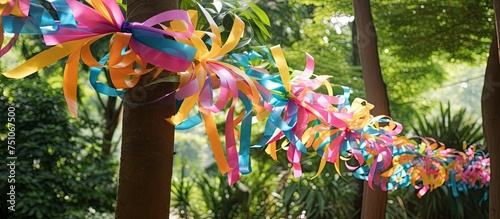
[(17, 8), (212, 76), (132, 47)]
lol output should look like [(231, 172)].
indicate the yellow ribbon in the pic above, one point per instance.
[(44, 59), (280, 60), (199, 72), (205, 55)]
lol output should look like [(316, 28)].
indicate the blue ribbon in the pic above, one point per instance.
[(99, 86), (64, 13), (39, 20), (190, 122), (245, 134), (159, 42)]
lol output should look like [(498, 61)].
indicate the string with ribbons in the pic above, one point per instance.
[(214, 79), (382, 157), (427, 164)]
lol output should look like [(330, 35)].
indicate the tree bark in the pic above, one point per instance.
[(358, 200), (355, 49), (491, 118), (148, 139), (374, 201)]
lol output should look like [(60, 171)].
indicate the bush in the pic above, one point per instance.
[(60, 172)]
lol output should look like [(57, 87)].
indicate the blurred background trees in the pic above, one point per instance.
[(431, 52), (61, 168)]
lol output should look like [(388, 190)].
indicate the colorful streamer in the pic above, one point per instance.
[(18, 8)]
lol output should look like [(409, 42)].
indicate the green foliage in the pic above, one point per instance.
[(401, 204), (325, 30), (270, 191), (191, 148), (255, 19), (417, 30), (406, 82), (286, 18), (59, 170), (206, 194), (452, 128), (328, 196), (182, 190)]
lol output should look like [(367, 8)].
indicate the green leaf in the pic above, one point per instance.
[(289, 193), (262, 28), (246, 14), (260, 13), (310, 202), (321, 203)]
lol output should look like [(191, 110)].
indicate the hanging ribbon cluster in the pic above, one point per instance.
[(427, 164), (132, 45), (248, 87)]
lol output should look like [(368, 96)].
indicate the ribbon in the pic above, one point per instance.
[(294, 105), (132, 47), (197, 87), (19, 8), (429, 164)]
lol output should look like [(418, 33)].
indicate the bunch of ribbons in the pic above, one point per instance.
[(248, 87)]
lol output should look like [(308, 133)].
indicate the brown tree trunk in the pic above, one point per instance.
[(491, 116), (355, 49), (374, 201), (491, 125), (148, 139), (358, 200)]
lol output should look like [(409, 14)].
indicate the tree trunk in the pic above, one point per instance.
[(491, 117), (148, 139), (491, 125), (358, 200), (374, 201), (355, 49)]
